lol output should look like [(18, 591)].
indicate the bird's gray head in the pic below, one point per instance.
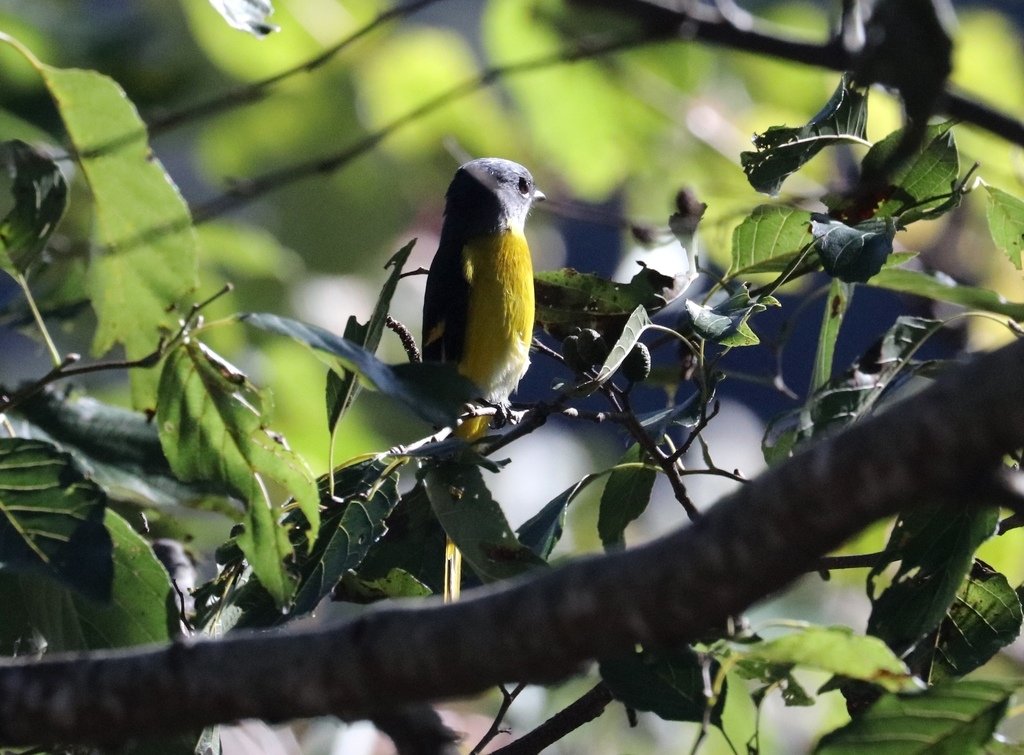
[(490, 195)]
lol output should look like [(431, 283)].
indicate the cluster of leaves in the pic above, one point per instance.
[(75, 474)]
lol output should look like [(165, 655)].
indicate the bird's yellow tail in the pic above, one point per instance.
[(470, 430)]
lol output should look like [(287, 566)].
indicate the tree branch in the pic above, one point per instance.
[(583, 710), (943, 444)]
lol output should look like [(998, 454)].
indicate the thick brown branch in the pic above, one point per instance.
[(943, 444)]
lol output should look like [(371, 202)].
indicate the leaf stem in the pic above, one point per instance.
[(38, 317)]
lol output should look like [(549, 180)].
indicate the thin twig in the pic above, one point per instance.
[(583, 710), (507, 698)]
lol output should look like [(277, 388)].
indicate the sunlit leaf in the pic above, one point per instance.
[(634, 327), (145, 259), (51, 519), (836, 650), (434, 391), (725, 322), (769, 238), (40, 196), (782, 150), (941, 287), (567, 299), (668, 683), (948, 718), (142, 608), (475, 522), (1005, 214), (211, 422), (397, 583), (984, 618), (625, 497)]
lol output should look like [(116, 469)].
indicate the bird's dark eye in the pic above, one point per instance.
[(524, 186)]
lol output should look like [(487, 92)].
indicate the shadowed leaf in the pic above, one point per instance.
[(40, 196)]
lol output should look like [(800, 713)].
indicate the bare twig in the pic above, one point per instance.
[(585, 709), (507, 698)]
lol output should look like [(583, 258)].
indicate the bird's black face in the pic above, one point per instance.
[(493, 195)]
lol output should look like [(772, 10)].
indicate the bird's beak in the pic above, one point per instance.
[(539, 196)]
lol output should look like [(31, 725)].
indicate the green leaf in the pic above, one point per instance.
[(668, 683), (941, 287), (769, 238), (922, 183), (984, 618), (634, 327), (397, 583), (40, 196), (1005, 214), (414, 542), (434, 391), (145, 260), (342, 388), (936, 547), (51, 519), (141, 610), (541, 532), (726, 322), (852, 254), (781, 150), (948, 718), (475, 522), (364, 496), (118, 449), (211, 425), (567, 299), (836, 650), (625, 497), (836, 304)]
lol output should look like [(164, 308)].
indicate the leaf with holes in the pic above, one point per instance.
[(782, 150), (51, 519), (211, 424), (40, 196)]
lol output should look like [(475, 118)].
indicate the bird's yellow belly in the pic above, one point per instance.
[(499, 325)]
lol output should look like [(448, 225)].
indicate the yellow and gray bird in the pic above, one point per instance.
[(478, 309)]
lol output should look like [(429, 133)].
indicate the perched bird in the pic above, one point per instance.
[(478, 309)]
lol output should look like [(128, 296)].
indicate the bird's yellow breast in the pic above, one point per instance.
[(499, 323)]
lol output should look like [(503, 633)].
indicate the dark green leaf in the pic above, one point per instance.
[(726, 322), (782, 150), (475, 522), (342, 388), (769, 238), (625, 497), (541, 532), (1005, 214), (774, 676), (852, 254), (211, 421), (414, 542), (51, 519), (434, 391), (633, 328), (936, 548), (984, 618), (567, 299), (40, 196), (364, 496), (668, 683), (948, 718), (941, 287), (116, 448)]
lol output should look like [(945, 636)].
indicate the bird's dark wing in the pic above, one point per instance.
[(445, 303)]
